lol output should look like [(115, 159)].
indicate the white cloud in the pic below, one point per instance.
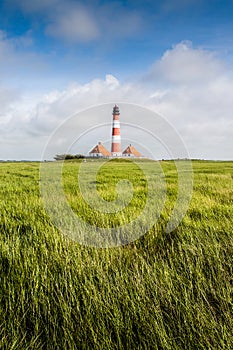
[(75, 23), (16, 64), (184, 64), (7, 96), (57, 106), (200, 109), (197, 100)]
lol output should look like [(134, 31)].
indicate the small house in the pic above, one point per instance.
[(99, 151), (131, 151)]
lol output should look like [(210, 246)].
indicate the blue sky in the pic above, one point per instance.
[(60, 56)]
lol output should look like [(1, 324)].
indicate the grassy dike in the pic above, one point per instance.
[(164, 291)]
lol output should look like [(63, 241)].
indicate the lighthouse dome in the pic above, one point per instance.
[(116, 110)]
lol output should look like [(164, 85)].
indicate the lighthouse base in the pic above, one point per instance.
[(116, 154)]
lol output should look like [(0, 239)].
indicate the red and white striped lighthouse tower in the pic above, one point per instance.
[(116, 134)]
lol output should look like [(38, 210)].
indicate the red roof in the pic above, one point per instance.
[(100, 149), (131, 150)]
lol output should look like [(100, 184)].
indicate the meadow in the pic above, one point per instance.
[(163, 291)]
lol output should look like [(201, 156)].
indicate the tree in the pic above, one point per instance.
[(66, 156)]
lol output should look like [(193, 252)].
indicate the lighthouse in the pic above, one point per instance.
[(116, 134)]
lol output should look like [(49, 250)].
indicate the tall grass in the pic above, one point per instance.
[(164, 291)]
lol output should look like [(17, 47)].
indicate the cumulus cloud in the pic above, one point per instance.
[(197, 98), (56, 106), (198, 84), (184, 64), (200, 109)]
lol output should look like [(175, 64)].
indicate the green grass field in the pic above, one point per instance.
[(163, 291)]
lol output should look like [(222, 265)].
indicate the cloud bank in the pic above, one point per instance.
[(191, 87)]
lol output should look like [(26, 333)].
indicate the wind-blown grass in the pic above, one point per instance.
[(164, 291)]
